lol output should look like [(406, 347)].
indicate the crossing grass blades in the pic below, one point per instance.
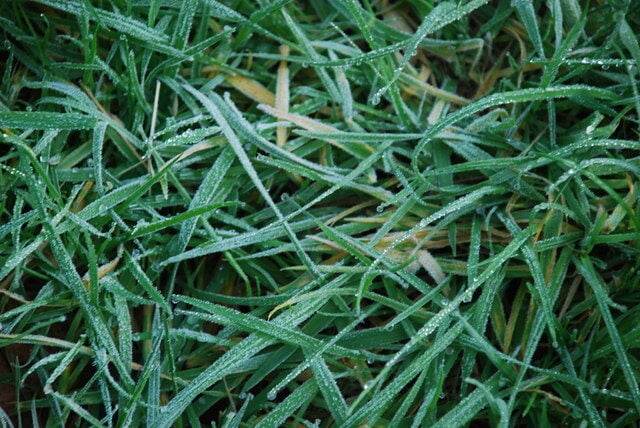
[(333, 213)]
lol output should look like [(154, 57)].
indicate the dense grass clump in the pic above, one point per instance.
[(331, 213)]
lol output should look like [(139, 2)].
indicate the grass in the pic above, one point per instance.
[(325, 213)]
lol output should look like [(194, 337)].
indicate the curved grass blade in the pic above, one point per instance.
[(246, 163)]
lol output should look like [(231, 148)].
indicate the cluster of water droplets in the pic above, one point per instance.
[(467, 296), (564, 177), (52, 160)]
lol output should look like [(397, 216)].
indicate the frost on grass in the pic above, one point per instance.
[(251, 214)]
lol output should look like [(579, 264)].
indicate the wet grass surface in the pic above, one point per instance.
[(325, 213)]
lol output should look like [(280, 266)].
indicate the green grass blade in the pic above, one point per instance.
[(45, 120), (587, 270)]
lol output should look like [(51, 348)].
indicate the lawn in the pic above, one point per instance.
[(323, 213)]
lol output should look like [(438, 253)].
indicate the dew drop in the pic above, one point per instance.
[(590, 129), (284, 197), (242, 395), (271, 395), (379, 209)]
